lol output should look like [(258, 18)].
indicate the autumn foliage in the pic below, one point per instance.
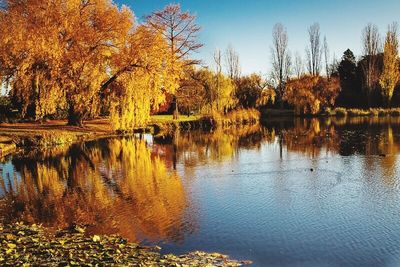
[(310, 94), (58, 54)]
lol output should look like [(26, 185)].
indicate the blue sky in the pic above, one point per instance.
[(247, 24)]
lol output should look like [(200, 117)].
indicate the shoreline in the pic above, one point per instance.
[(22, 135), (26, 245)]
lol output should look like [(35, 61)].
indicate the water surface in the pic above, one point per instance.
[(303, 192)]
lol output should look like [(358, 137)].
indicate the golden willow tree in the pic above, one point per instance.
[(30, 55), (140, 80), (58, 54), (390, 74)]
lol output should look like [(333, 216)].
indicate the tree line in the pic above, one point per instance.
[(80, 59), (317, 82)]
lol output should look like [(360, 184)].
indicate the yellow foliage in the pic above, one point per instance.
[(143, 199), (390, 74), (308, 94)]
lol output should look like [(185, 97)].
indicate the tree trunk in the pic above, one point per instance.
[(74, 118), (176, 111)]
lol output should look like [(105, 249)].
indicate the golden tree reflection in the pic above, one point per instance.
[(114, 187), (310, 137), (218, 145)]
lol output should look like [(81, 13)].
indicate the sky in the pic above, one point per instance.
[(247, 24)]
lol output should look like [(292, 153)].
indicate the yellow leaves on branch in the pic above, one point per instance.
[(308, 94), (390, 74)]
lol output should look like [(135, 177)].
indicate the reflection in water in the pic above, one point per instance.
[(219, 145), (280, 193), (112, 186)]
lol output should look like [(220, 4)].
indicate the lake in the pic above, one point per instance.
[(293, 192)]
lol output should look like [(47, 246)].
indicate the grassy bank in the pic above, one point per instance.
[(339, 112), (378, 112), (22, 245)]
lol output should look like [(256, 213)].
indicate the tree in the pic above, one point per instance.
[(191, 94), (249, 89), (219, 91), (56, 53), (314, 50), (281, 60), (309, 94), (66, 54), (298, 66), (390, 74), (371, 49), (142, 89), (325, 49), (232, 63), (218, 64), (180, 31), (351, 93)]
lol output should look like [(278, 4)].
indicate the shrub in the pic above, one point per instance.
[(340, 112)]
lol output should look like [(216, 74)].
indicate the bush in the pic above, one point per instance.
[(235, 117), (340, 112)]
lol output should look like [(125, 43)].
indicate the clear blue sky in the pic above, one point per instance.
[(247, 24)]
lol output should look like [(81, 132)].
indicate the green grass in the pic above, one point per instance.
[(169, 118)]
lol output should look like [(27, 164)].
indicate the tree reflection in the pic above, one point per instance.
[(220, 144), (111, 186)]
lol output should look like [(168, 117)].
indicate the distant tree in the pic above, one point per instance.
[(191, 94), (309, 94), (281, 59), (298, 65), (325, 49), (314, 50), (390, 74), (370, 68), (218, 64), (249, 89), (219, 90), (350, 94), (232, 63)]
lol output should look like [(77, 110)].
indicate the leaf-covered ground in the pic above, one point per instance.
[(23, 245)]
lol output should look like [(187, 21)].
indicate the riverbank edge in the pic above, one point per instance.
[(19, 136), (27, 245), (337, 112)]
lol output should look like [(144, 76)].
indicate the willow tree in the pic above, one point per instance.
[(142, 71), (56, 52), (390, 74), (30, 56), (93, 31)]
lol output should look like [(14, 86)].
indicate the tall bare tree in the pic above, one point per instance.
[(371, 49), (281, 59), (218, 64), (232, 63), (298, 65), (314, 50), (180, 30), (325, 49)]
